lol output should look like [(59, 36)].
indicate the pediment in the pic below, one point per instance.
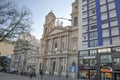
[(56, 31)]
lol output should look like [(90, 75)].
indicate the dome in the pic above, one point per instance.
[(51, 13), (76, 0)]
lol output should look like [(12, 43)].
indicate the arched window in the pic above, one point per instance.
[(46, 30), (63, 45), (75, 21), (56, 46)]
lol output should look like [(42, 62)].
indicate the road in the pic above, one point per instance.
[(7, 76)]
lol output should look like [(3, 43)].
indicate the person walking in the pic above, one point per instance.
[(41, 74), (31, 73)]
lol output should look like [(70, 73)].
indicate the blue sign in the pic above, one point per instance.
[(73, 69)]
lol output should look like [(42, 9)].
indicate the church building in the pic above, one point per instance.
[(59, 44)]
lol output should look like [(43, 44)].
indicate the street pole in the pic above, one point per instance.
[(98, 67)]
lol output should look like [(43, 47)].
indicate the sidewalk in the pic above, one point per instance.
[(8, 76), (47, 77)]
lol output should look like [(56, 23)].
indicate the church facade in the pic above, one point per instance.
[(59, 45)]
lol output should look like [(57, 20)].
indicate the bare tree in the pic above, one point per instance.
[(13, 21)]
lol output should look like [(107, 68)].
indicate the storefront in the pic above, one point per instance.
[(88, 74), (106, 73), (102, 63), (117, 75)]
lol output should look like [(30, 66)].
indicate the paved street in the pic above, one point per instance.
[(6, 76)]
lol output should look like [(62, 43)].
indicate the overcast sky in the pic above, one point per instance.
[(40, 8)]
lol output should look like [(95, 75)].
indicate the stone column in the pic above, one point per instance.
[(49, 65), (50, 45), (58, 61), (56, 65), (67, 36), (60, 42), (52, 40), (66, 62), (67, 67), (66, 42)]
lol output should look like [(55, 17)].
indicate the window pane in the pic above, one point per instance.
[(92, 62), (106, 59)]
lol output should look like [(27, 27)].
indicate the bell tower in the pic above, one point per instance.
[(74, 14), (49, 23)]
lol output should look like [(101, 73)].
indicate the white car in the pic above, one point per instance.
[(11, 70)]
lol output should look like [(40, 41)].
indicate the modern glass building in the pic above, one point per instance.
[(99, 40)]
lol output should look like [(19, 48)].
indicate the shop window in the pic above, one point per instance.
[(106, 73), (117, 61), (106, 59), (93, 75), (83, 53), (81, 62), (116, 49), (86, 62), (93, 52), (92, 62), (84, 74)]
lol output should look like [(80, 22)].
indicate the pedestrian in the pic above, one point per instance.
[(41, 74), (31, 73), (34, 73), (73, 75)]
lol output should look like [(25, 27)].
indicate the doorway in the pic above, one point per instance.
[(117, 76), (53, 69)]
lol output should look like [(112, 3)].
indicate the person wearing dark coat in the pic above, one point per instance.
[(41, 73), (31, 73)]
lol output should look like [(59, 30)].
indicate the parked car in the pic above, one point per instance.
[(1, 69), (11, 70)]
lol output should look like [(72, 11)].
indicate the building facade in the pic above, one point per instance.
[(6, 48), (99, 39), (59, 44), (26, 54)]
